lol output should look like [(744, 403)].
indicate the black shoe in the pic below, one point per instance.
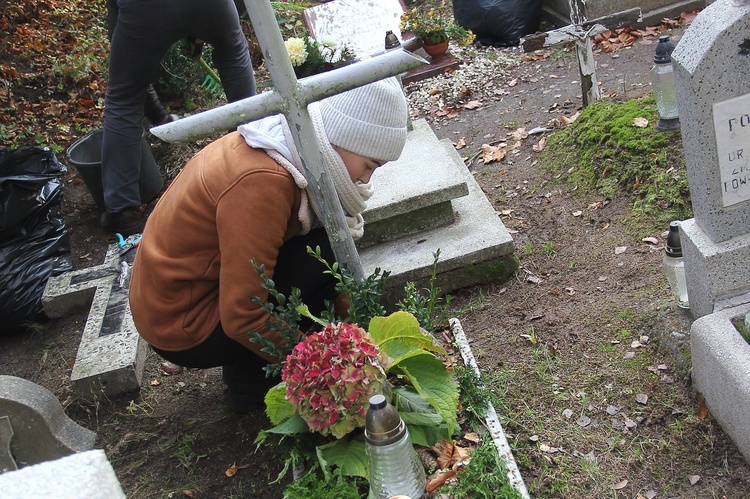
[(126, 222)]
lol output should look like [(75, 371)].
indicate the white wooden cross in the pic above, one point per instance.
[(291, 97), (581, 31)]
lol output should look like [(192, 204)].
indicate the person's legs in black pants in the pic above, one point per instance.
[(242, 369)]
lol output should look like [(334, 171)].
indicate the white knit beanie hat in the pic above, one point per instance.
[(369, 120)]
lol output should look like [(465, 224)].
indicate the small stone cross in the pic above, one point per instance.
[(581, 31), (291, 97)]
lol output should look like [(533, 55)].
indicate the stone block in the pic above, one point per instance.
[(721, 372), (39, 429), (85, 475), (715, 272)]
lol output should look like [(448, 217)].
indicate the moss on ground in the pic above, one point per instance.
[(603, 151)]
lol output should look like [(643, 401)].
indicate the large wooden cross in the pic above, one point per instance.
[(291, 97), (581, 31)]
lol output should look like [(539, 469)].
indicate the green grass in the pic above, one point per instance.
[(604, 153)]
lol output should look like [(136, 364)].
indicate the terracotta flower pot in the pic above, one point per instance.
[(436, 49)]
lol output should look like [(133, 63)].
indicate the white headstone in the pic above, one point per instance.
[(362, 25)]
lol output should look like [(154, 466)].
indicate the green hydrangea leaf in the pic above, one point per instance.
[(432, 381), (348, 455), (399, 334), (278, 407), (426, 426), (294, 424)]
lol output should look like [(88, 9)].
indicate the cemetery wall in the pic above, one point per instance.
[(558, 11)]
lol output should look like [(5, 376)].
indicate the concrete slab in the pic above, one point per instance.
[(86, 475), (40, 429), (653, 10), (721, 372), (413, 193), (475, 249)]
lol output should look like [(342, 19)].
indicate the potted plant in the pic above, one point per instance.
[(435, 27)]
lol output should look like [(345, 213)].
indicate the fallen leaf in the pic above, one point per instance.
[(155, 382), (694, 479), (474, 104), (567, 413), (583, 421), (702, 410), (649, 494), (534, 438), (568, 120), (612, 410), (519, 134), (513, 82), (620, 485), (448, 453), (189, 493), (619, 250), (439, 480), (577, 213), (461, 143), (472, 437), (640, 122), (493, 153), (539, 147), (650, 240), (231, 471), (641, 398)]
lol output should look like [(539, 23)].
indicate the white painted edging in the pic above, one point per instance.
[(490, 417)]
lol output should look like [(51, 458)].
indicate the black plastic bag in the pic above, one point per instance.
[(499, 23), (34, 241)]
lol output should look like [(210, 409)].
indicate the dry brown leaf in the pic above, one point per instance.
[(513, 82), (640, 122), (492, 153), (620, 485), (449, 454), (519, 133), (694, 479), (155, 382), (473, 104), (189, 493), (435, 91), (539, 147), (439, 480), (702, 410), (568, 120), (472, 437), (688, 17), (231, 471), (460, 143)]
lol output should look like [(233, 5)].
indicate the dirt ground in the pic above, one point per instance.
[(570, 344)]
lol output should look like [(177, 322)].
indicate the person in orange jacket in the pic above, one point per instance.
[(244, 198)]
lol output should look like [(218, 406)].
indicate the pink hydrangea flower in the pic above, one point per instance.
[(330, 376)]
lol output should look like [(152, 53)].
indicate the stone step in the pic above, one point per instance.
[(413, 193), (475, 248)]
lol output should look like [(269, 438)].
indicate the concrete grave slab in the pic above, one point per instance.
[(413, 193), (475, 249), (111, 355), (7, 462), (40, 429), (85, 475), (721, 371)]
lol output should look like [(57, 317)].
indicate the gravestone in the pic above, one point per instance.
[(712, 64), (111, 355), (86, 475), (363, 26), (33, 426), (712, 76)]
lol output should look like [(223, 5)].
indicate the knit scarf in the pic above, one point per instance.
[(272, 134)]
